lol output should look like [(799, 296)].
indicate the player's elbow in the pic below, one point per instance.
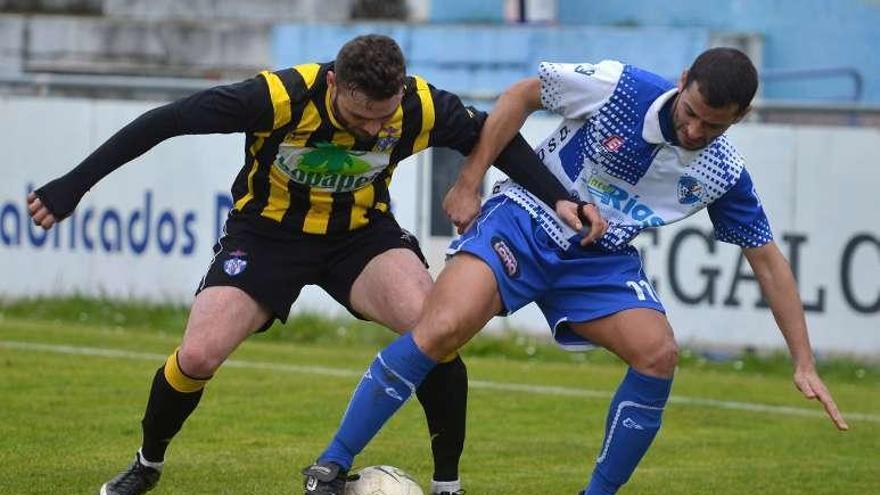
[(525, 94)]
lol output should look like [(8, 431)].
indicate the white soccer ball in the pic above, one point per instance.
[(383, 480)]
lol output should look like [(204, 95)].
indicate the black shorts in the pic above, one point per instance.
[(273, 267)]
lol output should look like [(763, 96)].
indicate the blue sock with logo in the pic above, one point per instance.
[(633, 421), (391, 379)]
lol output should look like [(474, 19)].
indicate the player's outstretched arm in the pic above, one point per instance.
[(778, 284), (224, 109)]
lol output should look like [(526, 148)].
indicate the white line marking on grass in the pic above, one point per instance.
[(479, 384)]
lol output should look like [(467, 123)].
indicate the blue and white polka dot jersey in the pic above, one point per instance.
[(609, 149)]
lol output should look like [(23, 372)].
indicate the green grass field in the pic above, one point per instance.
[(74, 377)]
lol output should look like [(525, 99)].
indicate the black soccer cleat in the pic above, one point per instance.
[(135, 480), (324, 478), (457, 492)]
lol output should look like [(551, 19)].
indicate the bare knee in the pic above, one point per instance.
[(196, 360), (438, 334), (407, 316), (660, 361)]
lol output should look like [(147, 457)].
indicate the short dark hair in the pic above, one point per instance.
[(371, 64), (725, 76)]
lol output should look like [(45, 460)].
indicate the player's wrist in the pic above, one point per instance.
[(469, 181), (805, 363)]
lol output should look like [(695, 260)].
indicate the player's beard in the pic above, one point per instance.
[(681, 131), (358, 133)]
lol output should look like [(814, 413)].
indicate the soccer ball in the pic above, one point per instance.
[(383, 480)]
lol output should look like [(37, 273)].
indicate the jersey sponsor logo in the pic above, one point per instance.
[(506, 256), (330, 167), (235, 264), (617, 198), (613, 143), (690, 190), (329, 158)]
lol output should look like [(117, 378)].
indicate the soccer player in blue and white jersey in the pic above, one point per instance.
[(647, 153)]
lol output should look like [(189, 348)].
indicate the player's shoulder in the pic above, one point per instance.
[(721, 149), (415, 83), (605, 70), (300, 78), (646, 79), (722, 160)]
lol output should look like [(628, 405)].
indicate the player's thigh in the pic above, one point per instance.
[(605, 299), (392, 288), (640, 336), (464, 298), (221, 318), (251, 280), (378, 273)]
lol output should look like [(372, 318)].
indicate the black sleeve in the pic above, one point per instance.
[(455, 126), (239, 107), (520, 162)]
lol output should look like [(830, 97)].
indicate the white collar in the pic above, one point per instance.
[(651, 131)]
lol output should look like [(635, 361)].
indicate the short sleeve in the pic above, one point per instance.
[(575, 91), (738, 216)]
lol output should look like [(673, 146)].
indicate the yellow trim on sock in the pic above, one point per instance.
[(178, 379), (449, 358)]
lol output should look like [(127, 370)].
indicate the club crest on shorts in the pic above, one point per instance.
[(506, 256), (235, 264)]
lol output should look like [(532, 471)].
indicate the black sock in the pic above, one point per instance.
[(167, 409), (443, 395)]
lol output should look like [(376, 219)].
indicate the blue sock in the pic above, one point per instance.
[(633, 421), (391, 379)]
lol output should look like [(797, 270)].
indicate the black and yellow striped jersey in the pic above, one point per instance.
[(310, 175), (303, 173)]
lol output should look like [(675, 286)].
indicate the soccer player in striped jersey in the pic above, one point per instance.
[(311, 207), (648, 152)]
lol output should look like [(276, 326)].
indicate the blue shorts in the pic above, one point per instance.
[(576, 285)]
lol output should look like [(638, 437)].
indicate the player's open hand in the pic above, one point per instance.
[(809, 383), (39, 213), (462, 205), (584, 218)]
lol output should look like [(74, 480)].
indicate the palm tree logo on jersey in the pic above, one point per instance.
[(328, 158)]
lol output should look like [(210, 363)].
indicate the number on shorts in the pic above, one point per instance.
[(641, 288)]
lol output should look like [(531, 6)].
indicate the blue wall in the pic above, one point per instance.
[(467, 11), (485, 58), (472, 59), (798, 34)]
